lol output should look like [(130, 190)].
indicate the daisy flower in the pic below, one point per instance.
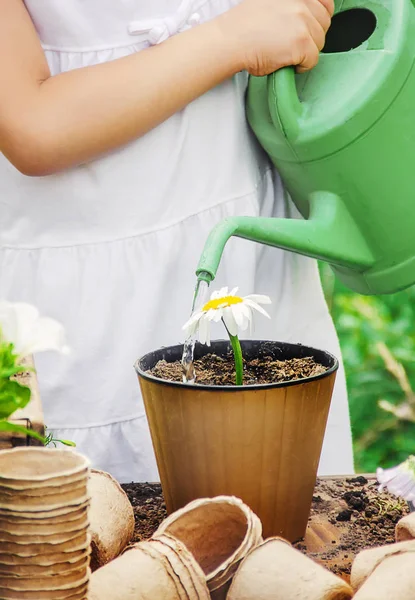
[(235, 311), (400, 480)]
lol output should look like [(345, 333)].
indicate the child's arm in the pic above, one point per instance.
[(51, 123)]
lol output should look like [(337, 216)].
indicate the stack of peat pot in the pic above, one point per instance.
[(44, 539)]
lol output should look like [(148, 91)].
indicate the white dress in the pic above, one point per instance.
[(110, 248)]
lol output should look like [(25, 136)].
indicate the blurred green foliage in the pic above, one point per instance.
[(377, 336)]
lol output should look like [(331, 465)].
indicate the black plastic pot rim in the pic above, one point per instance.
[(237, 388)]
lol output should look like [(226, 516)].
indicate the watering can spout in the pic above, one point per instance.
[(329, 234)]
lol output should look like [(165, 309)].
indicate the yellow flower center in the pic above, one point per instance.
[(222, 302)]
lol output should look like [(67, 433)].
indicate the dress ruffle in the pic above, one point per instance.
[(122, 448)]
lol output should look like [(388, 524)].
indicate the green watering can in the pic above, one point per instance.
[(343, 139)]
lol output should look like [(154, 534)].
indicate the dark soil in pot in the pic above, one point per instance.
[(347, 515), (217, 370), (264, 363)]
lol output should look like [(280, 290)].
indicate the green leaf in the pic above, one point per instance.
[(8, 358), (6, 426), (13, 396), (10, 371)]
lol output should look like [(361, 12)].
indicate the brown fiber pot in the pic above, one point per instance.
[(260, 443), (22, 468)]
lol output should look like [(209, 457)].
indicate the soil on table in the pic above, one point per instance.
[(347, 515), (350, 515), (149, 508), (215, 370)]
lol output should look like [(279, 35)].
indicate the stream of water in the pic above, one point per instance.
[(199, 299)]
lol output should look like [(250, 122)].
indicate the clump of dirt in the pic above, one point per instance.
[(217, 370)]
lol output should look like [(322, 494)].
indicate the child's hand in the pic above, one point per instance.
[(270, 34)]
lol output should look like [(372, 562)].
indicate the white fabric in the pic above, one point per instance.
[(110, 248)]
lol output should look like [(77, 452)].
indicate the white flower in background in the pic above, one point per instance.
[(236, 312), (400, 480), (21, 325)]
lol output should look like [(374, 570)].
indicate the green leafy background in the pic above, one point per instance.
[(364, 324)]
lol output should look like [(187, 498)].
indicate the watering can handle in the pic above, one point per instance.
[(284, 104)]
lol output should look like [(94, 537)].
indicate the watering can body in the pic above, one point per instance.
[(342, 137)]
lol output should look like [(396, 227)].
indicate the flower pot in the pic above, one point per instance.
[(161, 569), (276, 571), (77, 494), (405, 529), (75, 593), (191, 574), (44, 491), (393, 578), (51, 582), (111, 519), (54, 538), (219, 532), (66, 519), (40, 467), (45, 560), (46, 515), (260, 443), (78, 542), (367, 561), (30, 528), (34, 570)]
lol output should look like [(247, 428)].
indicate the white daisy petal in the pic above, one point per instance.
[(204, 325), (256, 307), (193, 319), (208, 334), (251, 322), (219, 293), (237, 313), (218, 315), (240, 316), (246, 310), (192, 325), (259, 299), (190, 330), (230, 321), (234, 291)]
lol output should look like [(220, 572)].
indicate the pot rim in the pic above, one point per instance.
[(238, 388)]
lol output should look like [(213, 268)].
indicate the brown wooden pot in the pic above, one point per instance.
[(260, 443)]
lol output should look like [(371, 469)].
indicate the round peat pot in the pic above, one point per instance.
[(260, 443)]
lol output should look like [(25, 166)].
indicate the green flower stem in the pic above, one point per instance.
[(237, 355)]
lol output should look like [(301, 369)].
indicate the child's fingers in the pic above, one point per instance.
[(310, 59), (320, 13), (329, 6)]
